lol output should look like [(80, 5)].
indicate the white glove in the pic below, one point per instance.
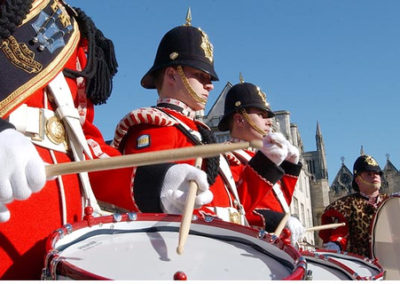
[(4, 213), (293, 155), (331, 246), (22, 171), (275, 147), (296, 228), (176, 185)]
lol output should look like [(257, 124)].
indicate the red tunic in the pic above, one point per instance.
[(159, 133), (22, 238), (269, 201)]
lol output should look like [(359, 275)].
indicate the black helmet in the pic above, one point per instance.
[(242, 96), (364, 163), (186, 46)]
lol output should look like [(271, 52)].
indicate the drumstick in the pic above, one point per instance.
[(148, 158), (282, 224), (325, 227), (188, 212)]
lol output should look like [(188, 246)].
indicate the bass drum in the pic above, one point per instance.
[(142, 246), (328, 265), (386, 237)]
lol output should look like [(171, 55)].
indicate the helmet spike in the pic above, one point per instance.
[(241, 79), (188, 17)]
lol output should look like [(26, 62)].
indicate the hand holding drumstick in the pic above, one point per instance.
[(188, 212), (275, 147)]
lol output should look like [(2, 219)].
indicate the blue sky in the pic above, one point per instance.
[(336, 62)]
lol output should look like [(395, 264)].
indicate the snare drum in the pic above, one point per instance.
[(142, 246), (327, 265), (386, 237)]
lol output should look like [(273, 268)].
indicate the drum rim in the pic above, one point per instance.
[(67, 268), (320, 255), (332, 264), (297, 273)]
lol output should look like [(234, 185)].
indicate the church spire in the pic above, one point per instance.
[(318, 129), (321, 153), (319, 139)]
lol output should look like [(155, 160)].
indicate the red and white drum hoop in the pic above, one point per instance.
[(328, 265), (142, 246), (386, 237)]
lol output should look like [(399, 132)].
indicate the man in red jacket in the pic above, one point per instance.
[(182, 73), (247, 116), (54, 66)]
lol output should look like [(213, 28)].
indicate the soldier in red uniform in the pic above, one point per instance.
[(357, 210), (182, 73), (54, 66), (247, 116)]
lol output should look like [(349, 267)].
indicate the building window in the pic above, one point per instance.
[(307, 188), (311, 166), (295, 206), (300, 184)]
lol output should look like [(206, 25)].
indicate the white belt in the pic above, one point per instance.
[(41, 125), (279, 195)]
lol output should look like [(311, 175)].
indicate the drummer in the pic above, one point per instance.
[(247, 116), (356, 210), (182, 73), (32, 125)]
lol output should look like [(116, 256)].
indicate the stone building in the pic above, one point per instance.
[(391, 177), (341, 185)]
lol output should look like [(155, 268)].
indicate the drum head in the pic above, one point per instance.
[(386, 237), (146, 250)]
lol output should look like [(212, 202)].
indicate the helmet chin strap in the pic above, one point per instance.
[(251, 122), (189, 89), (370, 184)]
